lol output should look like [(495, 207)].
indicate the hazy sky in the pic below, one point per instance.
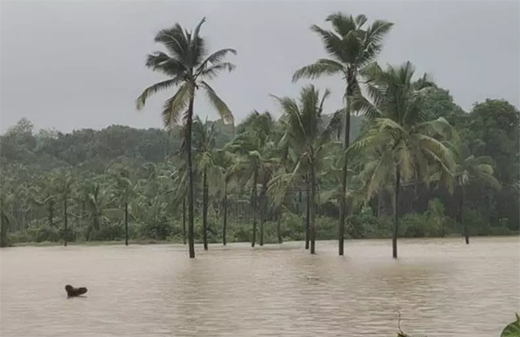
[(80, 64)]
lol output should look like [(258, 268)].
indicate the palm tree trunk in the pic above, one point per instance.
[(396, 211), (224, 204), (4, 226), (51, 213), (184, 219), (253, 206), (263, 210), (461, 213), (205, 209), (126, 223), (307, 218), (191, 191), (379, 203), (65, 219), (312, 212), (343, 199), (279, 225)]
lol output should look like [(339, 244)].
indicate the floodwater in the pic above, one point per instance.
[(441, 287)]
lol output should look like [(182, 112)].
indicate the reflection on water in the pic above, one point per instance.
[(441, 287)]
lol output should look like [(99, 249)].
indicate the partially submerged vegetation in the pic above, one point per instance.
[(399, 159)]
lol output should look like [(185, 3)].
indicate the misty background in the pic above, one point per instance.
[(81, 64)]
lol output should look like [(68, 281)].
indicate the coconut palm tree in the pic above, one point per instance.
[(204, 135), (308, 137), (188, 67), (124, 191), (408, 146), (252, 146), (470, 169), (228, 169), (351, 46), (63, 182)]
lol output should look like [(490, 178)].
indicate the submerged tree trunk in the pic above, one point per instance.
[(263, 208), (312, 212), (184, 219), (343, 199), (396, 211), (307, 218), (205, 209), (189, 123), (253, 206), (126, 223), (279, 225), (65, 222), (224, 205)]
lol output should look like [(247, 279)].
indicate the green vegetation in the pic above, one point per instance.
[(399, 159)]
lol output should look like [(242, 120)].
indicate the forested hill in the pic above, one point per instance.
[(51, 149)]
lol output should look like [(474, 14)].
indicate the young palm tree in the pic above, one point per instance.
[(351, 45), (308, 137), (188, 68), (408, 146)]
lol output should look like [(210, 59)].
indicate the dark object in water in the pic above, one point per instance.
[(74, 292)]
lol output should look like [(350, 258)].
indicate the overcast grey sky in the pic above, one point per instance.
[(80, 64)]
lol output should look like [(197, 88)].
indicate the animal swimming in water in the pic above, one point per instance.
[(74, 292)]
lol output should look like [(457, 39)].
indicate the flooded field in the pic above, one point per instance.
[(441, 287)]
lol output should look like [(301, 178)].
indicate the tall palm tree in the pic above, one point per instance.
[(308, 136), (204, 145), (188, 68), (251, 145), (408, 146), (470, 169), (351, 45), (124, 190), (63, 182), (228, 167)]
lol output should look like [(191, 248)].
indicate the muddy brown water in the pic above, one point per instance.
[(441, 287)]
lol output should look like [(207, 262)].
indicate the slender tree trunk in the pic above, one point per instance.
[(205, 209), (263, 208), (65, 222), (224, 204), (184, 219), (279, 225), (4, 227), (396, 211), (379, 202), (343, 199), (126, 223), (51, 213), (307, 218), (461, 213), (253, 206), (189, 123), (312, 212)]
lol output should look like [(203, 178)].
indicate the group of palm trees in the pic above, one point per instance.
[(398, 145)]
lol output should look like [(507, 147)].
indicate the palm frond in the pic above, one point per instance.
[(175, 105), (319, 68), (218, 103), (141, 100)]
